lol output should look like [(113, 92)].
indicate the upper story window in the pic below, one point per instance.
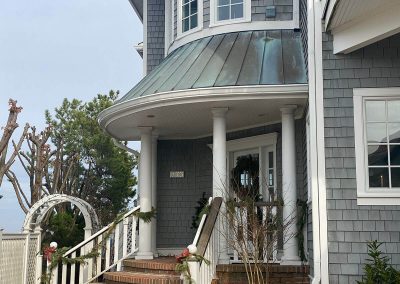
[(223, 12), (189, 15), (230, 9), (377, 139)]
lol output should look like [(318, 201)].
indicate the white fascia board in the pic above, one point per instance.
[(366, 31)]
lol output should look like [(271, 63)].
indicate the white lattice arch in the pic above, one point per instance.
[(40, 209)]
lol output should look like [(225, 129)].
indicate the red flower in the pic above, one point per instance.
[(183, 255), (48, 251)]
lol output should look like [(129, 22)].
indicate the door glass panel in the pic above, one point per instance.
[(245, 176)]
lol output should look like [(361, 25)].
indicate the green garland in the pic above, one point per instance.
[(183, 267), (301, 222), (146, 216), (57, 256)]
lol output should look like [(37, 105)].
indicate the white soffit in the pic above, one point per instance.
[(358, 23)]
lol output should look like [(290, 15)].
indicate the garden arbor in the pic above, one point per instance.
[(40, 209)]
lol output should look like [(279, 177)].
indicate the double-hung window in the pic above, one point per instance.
[(377, 145), (189, 15), (230, 9)]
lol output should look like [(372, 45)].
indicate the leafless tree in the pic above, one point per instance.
[(252, 229), (8, 130)]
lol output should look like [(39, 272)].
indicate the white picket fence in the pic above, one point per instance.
[(114, 243), (20, 260)]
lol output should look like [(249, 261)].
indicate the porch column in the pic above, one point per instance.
[(289, 189), (154, 193), (145, 178), (220, 174)]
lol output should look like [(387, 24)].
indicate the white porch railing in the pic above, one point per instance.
[(114, 245)]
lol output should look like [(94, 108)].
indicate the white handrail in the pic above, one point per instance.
[(112, 253), (92, 237)]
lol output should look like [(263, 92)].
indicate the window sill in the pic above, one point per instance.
[(229, 22), (182, 35), (378, 200)]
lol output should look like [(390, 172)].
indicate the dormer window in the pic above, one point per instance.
[(230, 9), (189, 15)]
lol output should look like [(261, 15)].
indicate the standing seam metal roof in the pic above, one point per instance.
[(232, 59)]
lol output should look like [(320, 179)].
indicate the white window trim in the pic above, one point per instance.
[(179, 33), (213, 14), (365, 195)]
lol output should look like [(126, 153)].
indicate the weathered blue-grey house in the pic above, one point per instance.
[(309, 90)]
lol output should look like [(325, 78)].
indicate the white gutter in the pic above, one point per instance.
[(317, 144)]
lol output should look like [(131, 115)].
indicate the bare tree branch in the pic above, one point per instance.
[(17, 192)]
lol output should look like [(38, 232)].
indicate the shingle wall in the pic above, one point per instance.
[(284, 11), (283, 8), (304, 29), (349, 225), (177, 197), (155, 33)]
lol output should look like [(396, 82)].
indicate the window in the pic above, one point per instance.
[(224, 12), (229, 9), (377, 144), (189, 15)]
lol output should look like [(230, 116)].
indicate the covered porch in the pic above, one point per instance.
[(206, 106)]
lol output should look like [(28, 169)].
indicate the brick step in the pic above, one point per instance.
[(160, 265), (140, 278), (283, 274)]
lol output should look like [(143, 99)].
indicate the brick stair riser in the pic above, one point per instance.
[(154, 271)]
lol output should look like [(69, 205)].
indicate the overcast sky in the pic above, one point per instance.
[(56, 49)]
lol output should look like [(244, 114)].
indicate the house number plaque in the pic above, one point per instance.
[(177, 174)]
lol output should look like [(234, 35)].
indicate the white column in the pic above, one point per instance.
[(289, 189), (220, 174), (145, 178), (154, 193)]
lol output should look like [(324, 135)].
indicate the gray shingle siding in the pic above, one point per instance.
[(304, 29), (177, 197), (283, 8), (349, 225), (155, 33), (194, 157)]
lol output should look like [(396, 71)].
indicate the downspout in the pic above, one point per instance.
[(318, 182)]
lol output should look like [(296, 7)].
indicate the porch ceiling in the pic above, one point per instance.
[(188, 114)]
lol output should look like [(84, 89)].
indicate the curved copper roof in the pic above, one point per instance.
[(233, 59)]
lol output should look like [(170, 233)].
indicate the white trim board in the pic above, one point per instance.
[(201, 95), (317, 143)]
